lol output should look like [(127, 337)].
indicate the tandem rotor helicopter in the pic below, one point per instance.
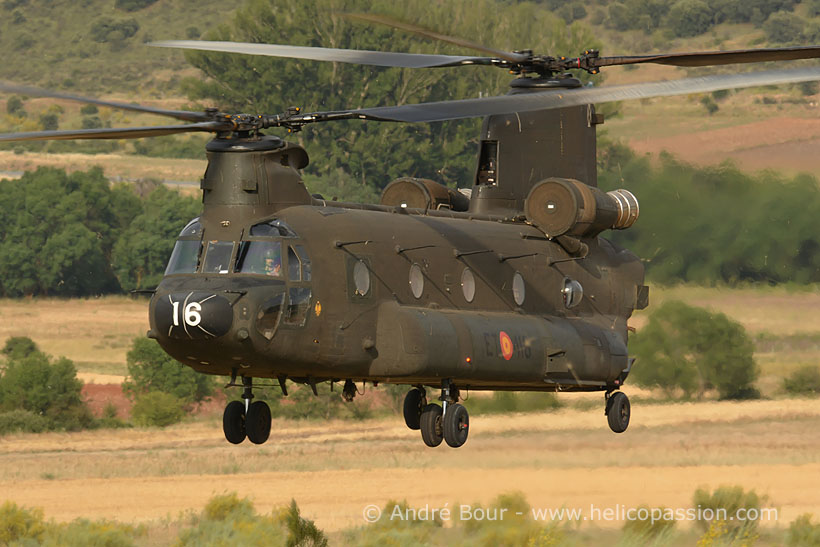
[(507, 285)]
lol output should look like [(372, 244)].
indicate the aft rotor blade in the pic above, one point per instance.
[(117, 133), (427, 33), (356, 56), (710, 58), (183, 115), (559, 98)]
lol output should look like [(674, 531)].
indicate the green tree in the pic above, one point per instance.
[(58, 231), (689, 349), (784, 27), (32, 382), (142, 250), (690, 17), (151, 369), (374, 153)]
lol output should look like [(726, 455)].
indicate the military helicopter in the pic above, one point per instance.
[(505, 285)]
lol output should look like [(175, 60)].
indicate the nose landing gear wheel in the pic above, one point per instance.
[(414, 403), (431, 426), (456, 425), (257, 422), (617, 412), (233, 422)]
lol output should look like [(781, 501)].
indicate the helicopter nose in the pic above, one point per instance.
[(193, 315)]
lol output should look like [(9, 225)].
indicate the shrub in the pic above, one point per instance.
[(652, 526), (157, 409), (802, 533), (22, 421), (229, 520), (49, 121), (133, 5), (728, 500), (18, 524), (82, 532), (688, 349), (803, 381), (151, 369), (14, 107), (106, 29), (89, 110)]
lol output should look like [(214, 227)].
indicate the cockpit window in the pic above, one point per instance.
[(185, 257), (294, 265), (298, 306), (272, 228), (260, 257), (193, 228), (218, 257)]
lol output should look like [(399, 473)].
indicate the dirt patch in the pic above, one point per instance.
[(789, 144), (99, 396)]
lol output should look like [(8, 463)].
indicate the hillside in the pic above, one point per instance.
[(97, 47)]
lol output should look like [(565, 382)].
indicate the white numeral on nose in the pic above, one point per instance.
[(191, 316)]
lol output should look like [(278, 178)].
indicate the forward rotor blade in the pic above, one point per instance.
[(710, 58), (356, 56), (421, 31), (559, 98), (117, 133), (183, 115)]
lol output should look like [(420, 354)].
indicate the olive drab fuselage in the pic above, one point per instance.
[(392, 293)]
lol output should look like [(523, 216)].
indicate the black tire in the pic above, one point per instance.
[(257, 422), (233, 422), (456, 425), (414, 403), (618, 412), (431, 426)]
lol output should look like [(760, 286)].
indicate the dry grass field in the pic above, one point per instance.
[(334, 469)]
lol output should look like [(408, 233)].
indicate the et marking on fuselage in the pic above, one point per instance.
[(503, 346)]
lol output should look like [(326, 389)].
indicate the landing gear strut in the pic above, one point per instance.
[(617, 411), (245, 419), (449, 422)]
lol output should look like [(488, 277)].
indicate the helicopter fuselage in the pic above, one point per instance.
[(387, 294)]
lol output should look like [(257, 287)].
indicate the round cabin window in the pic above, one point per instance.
[(361, 278), (468, 284), (572, 292), (416, 280), (518, 289)]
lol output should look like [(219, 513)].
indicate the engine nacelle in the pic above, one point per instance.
[(423, 194), (567, 206)]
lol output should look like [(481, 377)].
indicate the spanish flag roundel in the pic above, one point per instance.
[(506, 345)]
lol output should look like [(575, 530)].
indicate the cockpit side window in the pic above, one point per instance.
[(218, 257), (272, 228), (260, 257)]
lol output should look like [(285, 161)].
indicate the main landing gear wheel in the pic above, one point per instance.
[(233, 422), (257, 422), (456, 425), (414, 403), (431, 426), (617, 412)]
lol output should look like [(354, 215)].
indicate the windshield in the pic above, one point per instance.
[(185, 257)]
